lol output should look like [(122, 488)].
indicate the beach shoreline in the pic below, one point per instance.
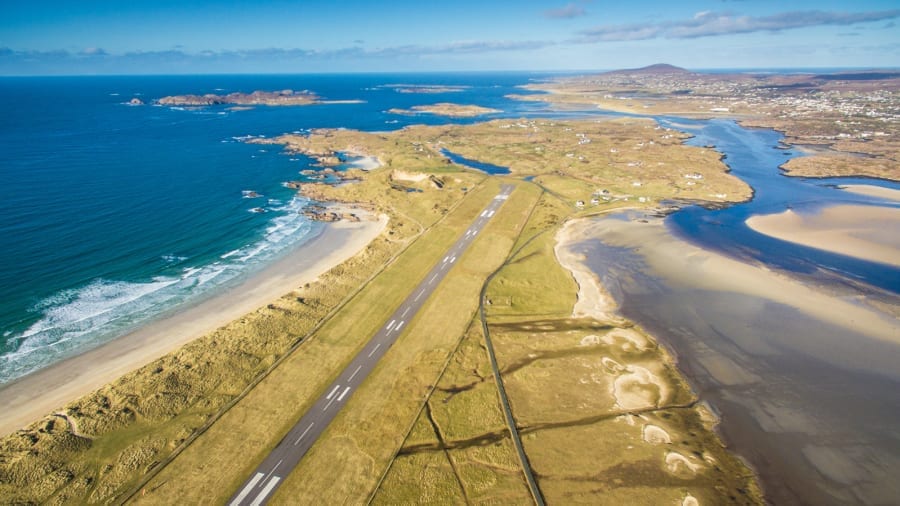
[(31, 397)]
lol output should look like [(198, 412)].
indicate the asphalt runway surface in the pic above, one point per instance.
[(284, 458)]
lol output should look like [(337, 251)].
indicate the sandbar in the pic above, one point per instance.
[(38, 394), (873, 191), (865, 232)]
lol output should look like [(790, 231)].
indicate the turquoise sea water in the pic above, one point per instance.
[(115, 214)]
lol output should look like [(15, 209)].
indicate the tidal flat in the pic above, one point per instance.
[(804, 377)]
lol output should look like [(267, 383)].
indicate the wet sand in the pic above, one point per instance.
[(804, 379), (865, 232), (38, 394)]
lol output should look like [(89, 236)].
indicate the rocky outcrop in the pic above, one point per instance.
[(321, 213), (283, 97)]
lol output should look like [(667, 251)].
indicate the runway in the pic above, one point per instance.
[(269, 475)]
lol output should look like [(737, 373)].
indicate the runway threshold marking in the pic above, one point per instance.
[(246, 490), (262, 495), (262, 485)]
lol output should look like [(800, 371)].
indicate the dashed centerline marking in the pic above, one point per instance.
[(304, 433), (354, 373), (421, 293), (374, 349), (272, 471), (405, 311)]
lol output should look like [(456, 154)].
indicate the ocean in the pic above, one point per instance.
[(115, 215)]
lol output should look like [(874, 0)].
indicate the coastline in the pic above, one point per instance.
[(716, 314), (28, 399)]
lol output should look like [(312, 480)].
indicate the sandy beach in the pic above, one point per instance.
[(865, 232), (36, 395)]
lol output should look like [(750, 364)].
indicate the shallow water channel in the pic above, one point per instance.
[(811, 404)]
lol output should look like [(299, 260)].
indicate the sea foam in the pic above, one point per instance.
[(75, 320)]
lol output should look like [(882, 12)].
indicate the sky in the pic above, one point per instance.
[(279, 36)]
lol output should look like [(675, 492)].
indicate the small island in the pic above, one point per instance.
[(446, 109), (426, 88), (282, 97)]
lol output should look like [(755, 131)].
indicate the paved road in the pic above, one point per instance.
[(284, 458)]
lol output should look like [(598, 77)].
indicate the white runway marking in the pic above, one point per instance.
[(329, 396), (398, 326), (389, 325), (421, 293), (341, 397), (237, 500), (272, 471), (374, 349), (405, 311), (262, 495), (304, 433), (354, 373)]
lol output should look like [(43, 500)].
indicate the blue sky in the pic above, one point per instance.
[(238, 36)]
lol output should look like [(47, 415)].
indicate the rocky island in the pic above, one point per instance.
[(282, 97), (446, 109)]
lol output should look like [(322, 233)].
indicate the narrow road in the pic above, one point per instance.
[(284, 458)]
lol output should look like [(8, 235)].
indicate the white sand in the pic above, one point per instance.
[(638, 388), (873, 191), (866, 232), (685, 264), (367, 163), (593, 300), (676, 463), (688, 268), (28, 399), (655, 435)]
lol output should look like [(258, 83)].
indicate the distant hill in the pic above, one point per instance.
[(657, 69)]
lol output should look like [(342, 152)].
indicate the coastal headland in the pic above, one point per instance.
[(572, 367)]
